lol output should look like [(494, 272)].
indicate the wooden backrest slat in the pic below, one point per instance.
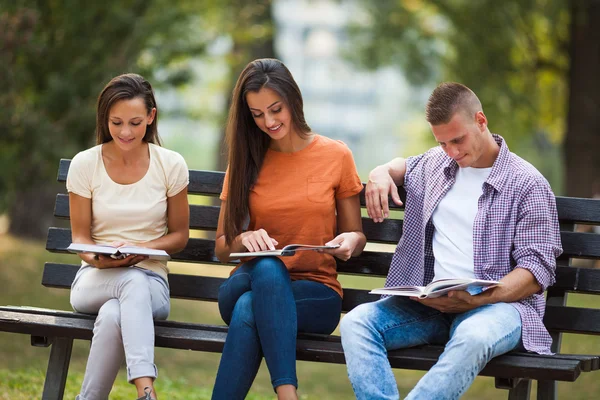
[(580, 280), (207, 217), (210, 183), (202, 251), (572, 320), (189, 287)]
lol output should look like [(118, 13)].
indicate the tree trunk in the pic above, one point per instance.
[(582, 139), (242, 55)]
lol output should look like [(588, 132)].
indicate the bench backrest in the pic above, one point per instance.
[(370, 263)]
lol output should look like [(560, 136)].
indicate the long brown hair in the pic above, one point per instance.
[(246, 142), (125, 87)]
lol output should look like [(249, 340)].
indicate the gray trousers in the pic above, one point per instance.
[(127, 301)]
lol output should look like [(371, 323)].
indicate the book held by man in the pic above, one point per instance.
[(436, 288), (288, 250), (119, 252)]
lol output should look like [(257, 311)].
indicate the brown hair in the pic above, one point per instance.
[(125, 87), (246, 142), (449, 98)]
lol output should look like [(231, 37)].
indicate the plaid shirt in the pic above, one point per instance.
[(516, 227)]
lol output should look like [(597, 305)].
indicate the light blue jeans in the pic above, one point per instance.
[(472, 339), (126, 300)]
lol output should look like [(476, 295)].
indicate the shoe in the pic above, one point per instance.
[(147, 392)]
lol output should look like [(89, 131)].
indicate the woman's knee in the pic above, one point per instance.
[(243, 312), (109, 317), (268, 271)]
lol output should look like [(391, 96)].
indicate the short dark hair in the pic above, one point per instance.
[(125, 87), (246, 142), (449, 98)]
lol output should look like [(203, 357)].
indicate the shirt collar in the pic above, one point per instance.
[(499, 172)]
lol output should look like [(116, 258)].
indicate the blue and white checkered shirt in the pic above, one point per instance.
[(516, 227)]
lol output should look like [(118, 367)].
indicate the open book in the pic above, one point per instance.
[(288, 250), (436, 288), (119, 252)]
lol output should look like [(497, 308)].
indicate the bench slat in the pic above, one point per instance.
[(570, 209), (581, 280), (207, 217), (578, 210), (191, 287), (212, 338), (202, 251), (572, 320)]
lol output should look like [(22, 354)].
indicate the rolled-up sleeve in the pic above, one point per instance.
[(537, 236)]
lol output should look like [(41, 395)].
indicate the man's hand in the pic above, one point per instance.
[(379, 187), (457, 301)]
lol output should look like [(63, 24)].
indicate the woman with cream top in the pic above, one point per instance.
[(125, 190)]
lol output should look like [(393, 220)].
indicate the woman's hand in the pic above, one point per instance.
[(348, 242), (257, 240), (102, 261)]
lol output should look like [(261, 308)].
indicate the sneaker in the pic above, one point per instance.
[(147, 392)]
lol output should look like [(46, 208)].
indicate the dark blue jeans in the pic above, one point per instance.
[(265, 310)]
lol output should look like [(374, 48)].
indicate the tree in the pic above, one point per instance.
[(520, 56), (54, 60)]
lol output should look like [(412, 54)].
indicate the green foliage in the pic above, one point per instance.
[(55, 57), (512, 53)]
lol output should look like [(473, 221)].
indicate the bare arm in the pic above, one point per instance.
[(349, 225), (383, 181), (178, 222), (516, 285), (245, 241)]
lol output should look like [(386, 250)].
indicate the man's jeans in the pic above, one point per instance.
[(265, 309), (473, 338)]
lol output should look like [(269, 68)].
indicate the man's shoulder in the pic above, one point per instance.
[(523, 175)]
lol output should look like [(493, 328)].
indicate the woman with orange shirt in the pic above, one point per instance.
[(294, 186)]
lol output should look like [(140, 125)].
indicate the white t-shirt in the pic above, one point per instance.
[(453, 221), (137, 212)]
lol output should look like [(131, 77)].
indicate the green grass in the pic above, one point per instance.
[(189, 374)]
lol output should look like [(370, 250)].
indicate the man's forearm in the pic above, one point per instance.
[(397, 169), (517, 285)]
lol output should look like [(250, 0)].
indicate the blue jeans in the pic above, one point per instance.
[(265, 310), (472, 339)]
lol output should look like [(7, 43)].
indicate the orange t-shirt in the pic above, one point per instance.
[(294, 200)]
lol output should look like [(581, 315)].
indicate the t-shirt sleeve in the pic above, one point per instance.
[(178, 176), (223, 195), (79, 177), (350, 183)]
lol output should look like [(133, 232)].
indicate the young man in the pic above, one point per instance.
[(473, 210)]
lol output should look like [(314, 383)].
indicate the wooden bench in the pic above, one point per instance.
[(513, 371)]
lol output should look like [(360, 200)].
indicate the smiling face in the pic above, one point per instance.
[(127, 122), (464, 139), (270, 113)]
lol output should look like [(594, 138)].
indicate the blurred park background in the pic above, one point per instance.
[(365, 68)]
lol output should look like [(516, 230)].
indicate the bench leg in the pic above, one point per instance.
[(521, 391), (58, 366), (547, 390)]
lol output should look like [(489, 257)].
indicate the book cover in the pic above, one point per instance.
[(436, 288), (119, 252), (288, 250)]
